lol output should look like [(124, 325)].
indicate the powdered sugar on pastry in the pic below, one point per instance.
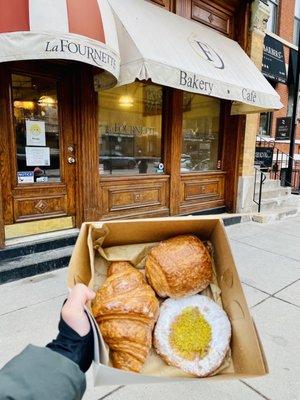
[(193, 334)]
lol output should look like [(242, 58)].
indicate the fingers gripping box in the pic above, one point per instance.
[(99, 243)]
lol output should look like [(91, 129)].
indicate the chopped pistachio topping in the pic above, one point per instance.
[(190, 334)]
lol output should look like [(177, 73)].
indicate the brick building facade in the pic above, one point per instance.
[(275, 19), (284, 32)]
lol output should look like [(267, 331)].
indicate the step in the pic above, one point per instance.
[(274, 193), (38, 243), (279, 214), (268, 184), (278, 202), (34, 263)]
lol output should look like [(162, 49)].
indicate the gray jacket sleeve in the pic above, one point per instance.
[(40, 373)]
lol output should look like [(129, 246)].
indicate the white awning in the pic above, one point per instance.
[(174, 51), (76, 30)]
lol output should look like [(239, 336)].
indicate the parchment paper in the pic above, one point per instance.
[(101, 257)]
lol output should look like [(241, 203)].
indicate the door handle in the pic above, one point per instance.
[(71, 160)]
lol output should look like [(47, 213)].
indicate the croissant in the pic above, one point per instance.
[(126, 309), (179, 266)]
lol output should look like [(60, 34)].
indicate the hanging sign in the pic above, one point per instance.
[(264, 156), (283, 128), (37, 156), (273, 65), (35, 133)]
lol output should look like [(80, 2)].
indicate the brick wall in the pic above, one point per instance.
[(286, 19), (285, 31)]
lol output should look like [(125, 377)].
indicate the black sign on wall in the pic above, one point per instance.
[(263, 156), (273, 65), (283, 128)]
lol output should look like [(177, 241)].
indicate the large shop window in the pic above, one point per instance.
[(130, 121), (200, 133), (37, 129)]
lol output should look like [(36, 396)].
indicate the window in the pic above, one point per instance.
[(265, 124), (273, 19), (200, 133), (130, 121), (37, 129), (296, 22), (291, 100)]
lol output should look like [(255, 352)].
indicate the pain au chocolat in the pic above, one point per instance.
[(179, 266)]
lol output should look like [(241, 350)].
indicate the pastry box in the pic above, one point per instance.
[(99, 243)]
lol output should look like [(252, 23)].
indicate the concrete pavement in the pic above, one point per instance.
[(268, 260)]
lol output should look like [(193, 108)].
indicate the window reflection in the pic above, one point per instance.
[(37, 129), (200, 133), (130, 119)]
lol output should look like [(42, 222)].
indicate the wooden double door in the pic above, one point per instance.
[(38, 154)]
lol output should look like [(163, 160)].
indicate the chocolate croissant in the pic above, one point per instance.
[(180, 266), (126, 309)]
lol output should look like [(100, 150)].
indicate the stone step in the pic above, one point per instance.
[(278, 202), (279, 214), (38, 243), (269, 184), (34, 263), (274, 193)]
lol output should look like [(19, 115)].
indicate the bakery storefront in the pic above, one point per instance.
[(121, 110)]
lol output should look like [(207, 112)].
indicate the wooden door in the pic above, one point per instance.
[(38, 149)]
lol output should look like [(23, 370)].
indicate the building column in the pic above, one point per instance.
[(259, 17)]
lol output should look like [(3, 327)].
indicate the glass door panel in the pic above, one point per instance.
[(37, 129)]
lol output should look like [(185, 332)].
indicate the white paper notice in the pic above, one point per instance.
[(35, 133), (37, 156)]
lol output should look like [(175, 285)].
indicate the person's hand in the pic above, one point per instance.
[(73, 310), (75, 339)]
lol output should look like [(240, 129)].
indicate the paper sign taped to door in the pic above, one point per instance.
[(35, 133), (37, 156)]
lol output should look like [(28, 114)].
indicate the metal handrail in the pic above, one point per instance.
[(282, 161), (271, 142), (262, 179)]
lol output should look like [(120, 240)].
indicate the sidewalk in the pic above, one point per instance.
[(268, 260)]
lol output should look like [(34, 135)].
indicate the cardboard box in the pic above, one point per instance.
[(247, 352)]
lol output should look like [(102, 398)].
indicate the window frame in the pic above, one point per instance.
[(219, 139), (104, 176), (270, 117), (296, 32), (274, 27), (32, 73), (172, 112)]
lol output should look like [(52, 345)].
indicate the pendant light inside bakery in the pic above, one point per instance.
[(47, 101), (125, 100), (27, 105)]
